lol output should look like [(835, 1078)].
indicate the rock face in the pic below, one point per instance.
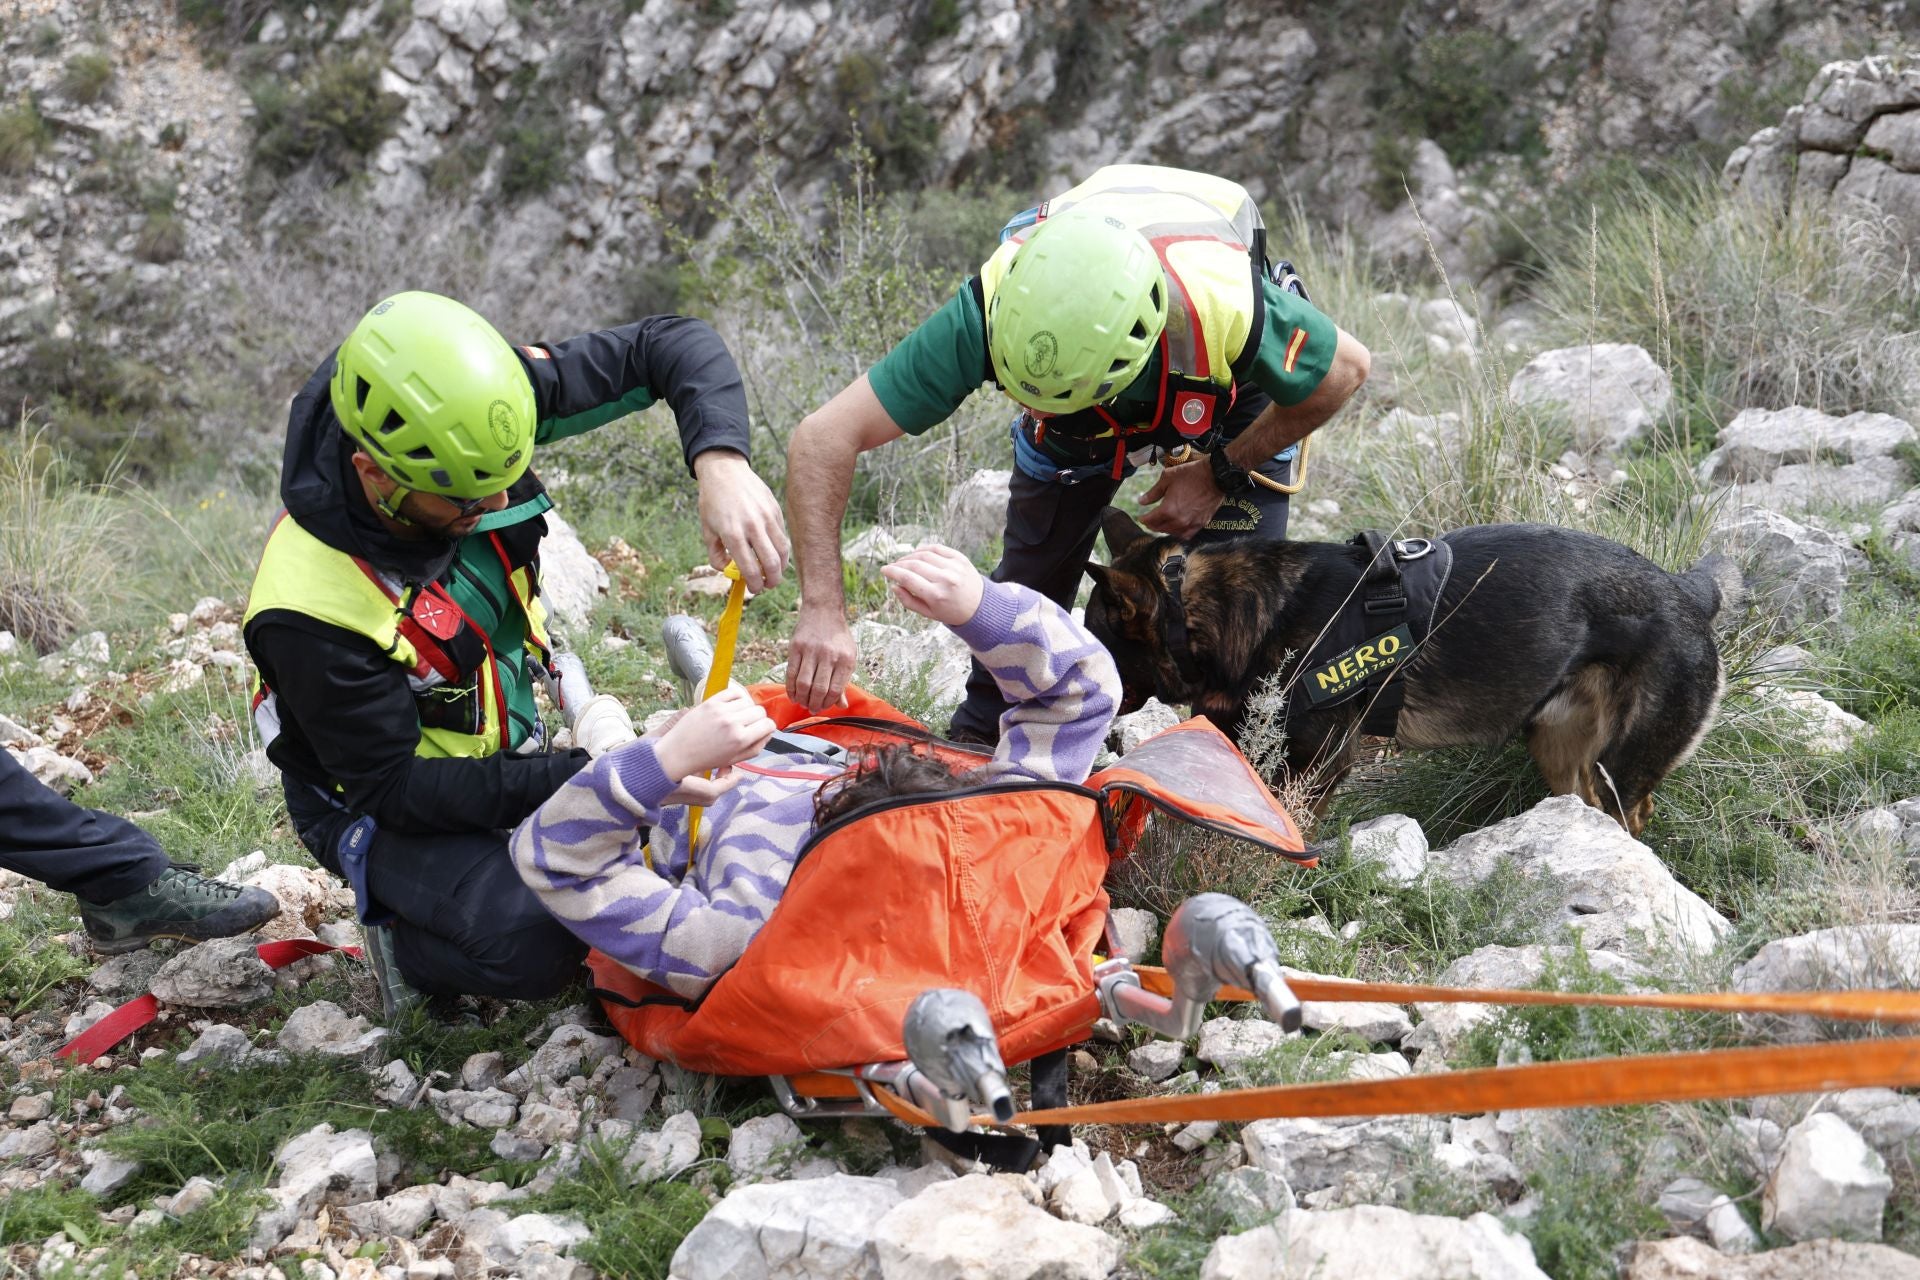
[(1798, 572), (931, 656), (1610, 887), (1377, 1243), (820, 1229), (1611, 391), (1855, 137), (1829, 1182), (1688, 1259), (1797, 459), (981, 1228)]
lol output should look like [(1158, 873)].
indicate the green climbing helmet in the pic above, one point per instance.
[(1078, 314), (436, 397)]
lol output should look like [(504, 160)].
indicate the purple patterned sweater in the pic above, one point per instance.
[(681, 922)]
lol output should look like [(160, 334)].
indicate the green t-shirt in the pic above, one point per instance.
[(936, 367)]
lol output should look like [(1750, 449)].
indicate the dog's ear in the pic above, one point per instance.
[(1120, 531), (1125, 593)]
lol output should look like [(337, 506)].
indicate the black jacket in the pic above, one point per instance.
[(346, 712)]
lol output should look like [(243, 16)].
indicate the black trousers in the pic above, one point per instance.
[(1050, 534), (467, 924), (92, 855)]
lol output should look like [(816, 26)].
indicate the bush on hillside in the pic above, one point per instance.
[(57, 542), (1748, 306), (333, 118), (86, 77), (23, 136)]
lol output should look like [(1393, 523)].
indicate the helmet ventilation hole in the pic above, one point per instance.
[(422, 454), (360, 388), (442, 479), (391, 423)]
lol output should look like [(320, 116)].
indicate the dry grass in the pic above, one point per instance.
[(59, 543)]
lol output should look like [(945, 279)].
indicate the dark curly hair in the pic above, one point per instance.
[(881, 774)]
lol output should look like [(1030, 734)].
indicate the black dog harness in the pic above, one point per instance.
[(1382, 625)]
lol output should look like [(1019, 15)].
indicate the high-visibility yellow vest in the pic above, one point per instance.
[(463, 704), (1211, 242)]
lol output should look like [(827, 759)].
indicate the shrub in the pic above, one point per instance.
[(23, 136), (885, 118), (535, 154), (1747, 305), (87, 77), (58, 542), (1459, 90), (333, 118)]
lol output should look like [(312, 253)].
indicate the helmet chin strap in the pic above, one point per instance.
[(388, 505)]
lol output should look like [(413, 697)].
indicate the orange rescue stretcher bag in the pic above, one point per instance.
[(996, 890)]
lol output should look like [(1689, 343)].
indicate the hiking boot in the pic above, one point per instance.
[(181, 904), (396, 994)]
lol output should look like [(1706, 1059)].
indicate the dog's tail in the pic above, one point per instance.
[(1716, 586)]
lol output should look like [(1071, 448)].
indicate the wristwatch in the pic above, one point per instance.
[(1229, 475)]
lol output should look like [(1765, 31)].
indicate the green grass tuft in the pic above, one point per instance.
[(86, 77), (635, 1228)]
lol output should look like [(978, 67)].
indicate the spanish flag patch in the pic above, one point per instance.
[(1294, 346)]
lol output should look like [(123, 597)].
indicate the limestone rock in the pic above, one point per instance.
[(1443, 1026), (571, 1049), (762, 1146), (1157, 1060), (126, 976), (405, 1214), (1612, 391), (1368, 1019), (1611, 888), (1889, 1121), (571, 580), (1229, 1042), (62, 773), (324, 1028), (219, 1045), (1760, 441), (1138, 931), (981, 1228), (976, 512), (1367, 1155), (822, 1229), (662, 1154), (1130, 730), (1798, 572), (1829, 1182), (931, 656), (1690, 1259), (1820, 726), (226, 973), (107, 1173), (307, 896), (1394, 843), (1839, 959), (318, 1167), (1376, 1242)]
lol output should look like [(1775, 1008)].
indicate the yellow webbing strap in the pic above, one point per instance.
[(722, 670)]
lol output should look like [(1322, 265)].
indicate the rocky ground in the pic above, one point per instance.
[(553, 1104)]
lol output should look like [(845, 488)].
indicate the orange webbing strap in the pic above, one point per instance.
[(1586, 1082), (721, 671), (1856, 1006)]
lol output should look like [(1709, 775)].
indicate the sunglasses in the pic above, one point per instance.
[(463, 508)]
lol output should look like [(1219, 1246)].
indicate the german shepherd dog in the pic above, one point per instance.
[(1604, 660)]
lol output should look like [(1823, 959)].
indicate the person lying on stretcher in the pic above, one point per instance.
[(608, 853)]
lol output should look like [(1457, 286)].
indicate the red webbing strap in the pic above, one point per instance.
[(1585, 1082), (130, 1017)]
